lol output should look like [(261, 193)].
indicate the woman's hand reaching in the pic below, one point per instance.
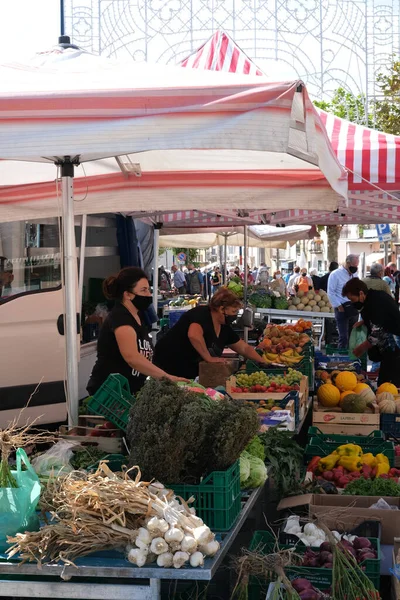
[(178, 379)]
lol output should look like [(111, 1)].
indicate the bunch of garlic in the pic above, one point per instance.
[(174, 543)]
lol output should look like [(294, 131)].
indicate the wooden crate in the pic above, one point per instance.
[(82, 435), (303, 392), (333, 420)]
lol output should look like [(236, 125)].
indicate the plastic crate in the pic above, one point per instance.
[(217, 497), (390, 424), (373, 438), (320, 577), (176, 314), (115, 462), (113, 400), (324, 444), (330, 349)]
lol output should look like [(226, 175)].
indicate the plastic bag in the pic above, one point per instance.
[(358, 336), (383, 505), (55, 459), (18, 505)]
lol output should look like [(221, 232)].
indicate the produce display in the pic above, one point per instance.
[(182, 301), (253, 472), (284, 343), (347, 463), (261, 382), (104, 511), (179, 436), (345, 390), (311, 302)]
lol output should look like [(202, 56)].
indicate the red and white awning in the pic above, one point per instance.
[(186, 138)]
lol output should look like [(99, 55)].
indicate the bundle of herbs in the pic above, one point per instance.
[(180, 436), (284, 458)]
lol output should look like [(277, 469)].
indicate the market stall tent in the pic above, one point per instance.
[(69, 107), (371, 158)]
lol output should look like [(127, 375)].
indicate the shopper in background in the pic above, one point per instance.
[(345, 313), (396, 276), (179, 280), (303, 283), (375, 280), (164, 280), (202, 334), (216, 280), (287, 276), (250, 279), (389, 278), (315, 279), (194, 281), (292, 279), (380, 314), (262, 275), (323, 284), (278, 284), (124, 345), (6, 278)]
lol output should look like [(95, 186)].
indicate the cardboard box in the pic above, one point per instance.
[(231, 383), (333, 420), (346, 512)]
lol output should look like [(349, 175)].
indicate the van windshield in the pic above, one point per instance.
[(30, 259)]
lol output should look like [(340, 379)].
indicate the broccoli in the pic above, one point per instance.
[(177, 436)]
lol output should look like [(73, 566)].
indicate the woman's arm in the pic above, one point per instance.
[(127, 344), (247, 351), (196, 338)]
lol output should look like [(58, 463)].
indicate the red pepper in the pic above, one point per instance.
[(313, 464)]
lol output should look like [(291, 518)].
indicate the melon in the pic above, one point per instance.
[(397, 403), (353, 403), (383, 396), (306, 300), (317, 298), (311, 295), (321, 303), (360, 387), (346, 380), (300, 294), (367, 394), (386, 403), (300, 306), (343, 396), (324, 309), (316, 309), (328, 395), (292, 307), (387, 387), (312, 303), (296, 300)]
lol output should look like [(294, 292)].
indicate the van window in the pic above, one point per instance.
[(29, 258)]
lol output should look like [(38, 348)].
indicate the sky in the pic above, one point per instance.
[(28, 26)]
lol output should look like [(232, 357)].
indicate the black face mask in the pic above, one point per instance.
[(358, 305), (353, 269), (304, 274), (230, 319), (142, 302)]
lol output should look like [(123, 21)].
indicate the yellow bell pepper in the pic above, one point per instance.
[(351, 463), (382, 469), (369, 459), (327, 463), (349, 450), (382, 458)]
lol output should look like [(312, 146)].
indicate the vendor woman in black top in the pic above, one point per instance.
[(201, 334), (124, 345)]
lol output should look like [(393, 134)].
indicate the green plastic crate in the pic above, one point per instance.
[(320, 577), (332, 350), (217, 497), (113, 401), (375, 437), (325, 444)]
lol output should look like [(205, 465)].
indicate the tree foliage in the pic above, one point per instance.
[(347, 106), (387, 109)]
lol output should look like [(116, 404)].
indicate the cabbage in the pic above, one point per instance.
[(258, 473), (256, 448), (244, 467)]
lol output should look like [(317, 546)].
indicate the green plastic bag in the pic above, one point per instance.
[(18, 505), (358, 336)]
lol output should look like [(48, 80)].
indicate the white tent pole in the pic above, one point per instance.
[(70, 290), (245, 258), (156, 246), (82, 258), (225, 258)]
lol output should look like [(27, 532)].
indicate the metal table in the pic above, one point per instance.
[(30, 582), (319, 318)]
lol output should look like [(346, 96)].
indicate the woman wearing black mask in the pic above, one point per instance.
[(202, 334), (124, 344), (380, 314)]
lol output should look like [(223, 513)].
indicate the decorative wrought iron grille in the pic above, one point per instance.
[(327, 43)]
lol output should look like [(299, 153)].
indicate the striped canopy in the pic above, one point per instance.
[(184, 140), (371, 158)]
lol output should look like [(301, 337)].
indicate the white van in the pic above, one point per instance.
[(32, 355)]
